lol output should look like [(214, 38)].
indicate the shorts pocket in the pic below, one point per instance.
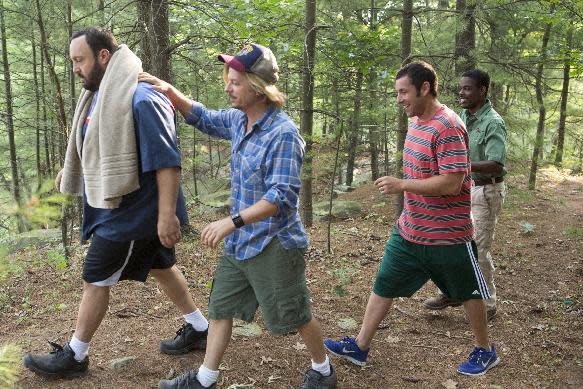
[(292, 304)]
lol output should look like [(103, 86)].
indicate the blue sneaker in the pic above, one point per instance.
[(347, 349), (479, 362)]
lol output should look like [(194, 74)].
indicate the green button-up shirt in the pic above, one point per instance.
[(487, 133)]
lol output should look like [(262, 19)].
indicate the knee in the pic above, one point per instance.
[(95, 289)]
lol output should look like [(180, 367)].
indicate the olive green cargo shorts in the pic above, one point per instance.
[(274, 280)]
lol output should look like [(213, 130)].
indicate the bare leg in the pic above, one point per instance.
[(218, 339), (376, 310), (476, 312), (92, 309), (312, 336), (174, 285)]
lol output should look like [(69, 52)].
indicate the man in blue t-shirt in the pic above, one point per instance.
[(136, 236)]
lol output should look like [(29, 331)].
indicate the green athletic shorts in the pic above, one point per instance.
[(406, 267), (274, 280)]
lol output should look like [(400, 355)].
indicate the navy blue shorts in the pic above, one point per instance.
[(108, 262)]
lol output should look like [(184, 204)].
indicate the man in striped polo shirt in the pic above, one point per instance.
[(433, 238)]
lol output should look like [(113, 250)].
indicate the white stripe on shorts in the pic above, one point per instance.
[(114, 278), (478, 272)]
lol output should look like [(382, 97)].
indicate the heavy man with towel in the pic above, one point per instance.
[(123, 158)]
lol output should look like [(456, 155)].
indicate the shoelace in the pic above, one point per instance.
[(57, 348), (347, 340), (181, 330), (477, 355)]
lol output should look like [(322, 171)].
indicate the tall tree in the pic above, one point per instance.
[(307, 115), (37, 99), (155, 41), (61, 117), (542, 112), (373, 134), (403, 121), (10, 118), (465, 39), (354, 137), (564, 98)]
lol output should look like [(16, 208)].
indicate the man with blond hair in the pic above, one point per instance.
[(263, 263)]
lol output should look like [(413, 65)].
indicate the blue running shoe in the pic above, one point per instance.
[(347, 349), (479, 362)]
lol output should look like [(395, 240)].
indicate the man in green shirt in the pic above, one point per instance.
[(487, 133)]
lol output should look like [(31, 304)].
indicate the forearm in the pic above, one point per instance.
[(487, 167), (440, 185), (258, 211), (168, 180), (179, 100)]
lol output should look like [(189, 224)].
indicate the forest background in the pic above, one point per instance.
[(337, 64)]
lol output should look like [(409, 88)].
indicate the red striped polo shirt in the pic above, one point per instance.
[(439, 145)]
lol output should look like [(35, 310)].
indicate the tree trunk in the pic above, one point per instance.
[(564, 97), (46, 136), (465, 39), (155, 42), (373, 133), (406, 28), (10, 121), (61, 117), (35, 86), (540, 129), (71, 73), (307, 114), (355, 130)]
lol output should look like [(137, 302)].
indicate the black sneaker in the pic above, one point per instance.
[(315, 380), (60, 362), (186, 340), (186, 380)]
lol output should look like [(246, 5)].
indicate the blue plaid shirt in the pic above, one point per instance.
[(265, 164)]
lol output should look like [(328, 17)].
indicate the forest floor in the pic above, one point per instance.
[(538, 330)]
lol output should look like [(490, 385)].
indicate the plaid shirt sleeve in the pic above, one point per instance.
[(283, 168), (213, 123)]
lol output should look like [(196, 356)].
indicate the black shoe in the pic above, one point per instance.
[(60, 362), (186, 380), (315, 380), (186, 340), (440, 302)]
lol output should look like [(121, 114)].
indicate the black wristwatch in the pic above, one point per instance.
[(238, 221)]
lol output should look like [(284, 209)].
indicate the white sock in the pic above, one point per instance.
[(206, 376), (322, 368), (81, 349), (197, 320)]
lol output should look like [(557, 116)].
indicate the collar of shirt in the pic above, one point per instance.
[(262, 124), (479, 113)]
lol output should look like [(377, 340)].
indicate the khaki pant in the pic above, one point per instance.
[(487, 203)]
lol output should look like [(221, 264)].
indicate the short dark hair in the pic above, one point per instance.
[(98, 39), (420, 72), (481, 78)]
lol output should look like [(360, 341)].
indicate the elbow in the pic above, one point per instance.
[(454, 190)]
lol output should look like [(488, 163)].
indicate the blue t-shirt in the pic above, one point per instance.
[(137, 215)]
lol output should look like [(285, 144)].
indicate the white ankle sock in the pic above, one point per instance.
[(81, 349), (197, 320), (322, 368), (206, 376)]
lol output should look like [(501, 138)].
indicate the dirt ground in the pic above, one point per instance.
[(538, 331)]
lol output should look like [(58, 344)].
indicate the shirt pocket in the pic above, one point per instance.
[(478, 137), (251, 170)]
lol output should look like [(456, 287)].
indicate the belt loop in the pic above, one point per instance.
[(493, 179)]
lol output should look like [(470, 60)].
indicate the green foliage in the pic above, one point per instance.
[(57, 258), (343, 275), (10, 365), (573, 232), (527, 228)]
